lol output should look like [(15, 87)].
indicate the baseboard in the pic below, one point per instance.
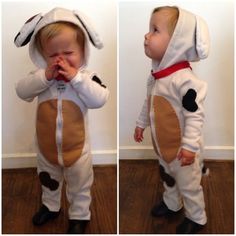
[(107, 157), (147, 152), (27, 160)]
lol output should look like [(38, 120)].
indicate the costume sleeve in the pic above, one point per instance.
[(193, 93), (90, 89), (31, 86), (143, 120)]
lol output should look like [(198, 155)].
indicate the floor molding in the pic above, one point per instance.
[(27, 160), (147, 152), (107, 157)]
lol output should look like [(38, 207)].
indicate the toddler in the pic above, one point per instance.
[(174, 110), (59, 47)]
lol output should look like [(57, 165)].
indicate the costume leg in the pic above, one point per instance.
[(200, 155), (171, 195), (188, 179), (51, 178), (204, 170), (79, 179)]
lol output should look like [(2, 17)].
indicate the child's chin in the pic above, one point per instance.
[(147, 53)]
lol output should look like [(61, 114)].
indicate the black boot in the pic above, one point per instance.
[(162, 210), (44, 215), (188, 227), (77, 226)]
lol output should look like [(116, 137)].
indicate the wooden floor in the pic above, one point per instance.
[(140, 188), (21, 199)]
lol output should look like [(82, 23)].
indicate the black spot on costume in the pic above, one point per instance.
[(189, 101), (97, 80), (169, 180), (47, 181)]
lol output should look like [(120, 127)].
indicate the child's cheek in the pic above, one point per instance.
[(49, 61), (70, 61)]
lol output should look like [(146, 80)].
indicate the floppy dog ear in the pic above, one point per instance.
[(92, 34), (202, 38), (27, 30)]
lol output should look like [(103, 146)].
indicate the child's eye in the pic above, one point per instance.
[(52, 55), (68, 52), (155, 30)]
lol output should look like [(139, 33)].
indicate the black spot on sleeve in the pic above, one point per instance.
[(97, 80), (189, 102)]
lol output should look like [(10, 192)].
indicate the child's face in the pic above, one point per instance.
[(157, 39), (64, 46)]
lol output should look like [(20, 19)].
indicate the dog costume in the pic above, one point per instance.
[(62, 117), (174, 110)]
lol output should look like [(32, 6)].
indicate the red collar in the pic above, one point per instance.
[(169, 70)]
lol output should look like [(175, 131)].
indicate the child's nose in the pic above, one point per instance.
[(59, 58), (146, 36)]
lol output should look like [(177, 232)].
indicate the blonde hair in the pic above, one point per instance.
[(52, 30), (172, 18)]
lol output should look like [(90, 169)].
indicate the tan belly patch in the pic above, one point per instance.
[(167, 128), (46, 130), (72, 132)]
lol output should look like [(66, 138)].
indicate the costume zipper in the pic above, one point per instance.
[(59, 122), (152, 117)]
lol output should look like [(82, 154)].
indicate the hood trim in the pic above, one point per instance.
[(34, 24), (190, 41)]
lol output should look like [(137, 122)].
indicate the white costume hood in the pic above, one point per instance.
[(37, 22), (190, 41)]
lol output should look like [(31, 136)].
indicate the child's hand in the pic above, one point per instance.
[(51, 71), (186, 157), (65, 69), (138, 134)]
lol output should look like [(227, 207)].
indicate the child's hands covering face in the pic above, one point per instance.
[(65, 69), (51, 71), (60, 67), (186, 157)]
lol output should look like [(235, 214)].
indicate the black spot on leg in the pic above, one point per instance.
[(47, 181), (189, 102), (169, 180)]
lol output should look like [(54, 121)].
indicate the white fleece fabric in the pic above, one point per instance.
[(182, 47), (189, 42), (62, 118)]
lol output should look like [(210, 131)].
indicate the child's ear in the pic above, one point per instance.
[(92, 34), (27, 30), (202, 38)]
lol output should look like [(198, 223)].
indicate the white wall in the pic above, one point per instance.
[(18, 116), (217, 70)]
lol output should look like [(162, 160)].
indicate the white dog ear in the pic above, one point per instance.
[(27, 30), (202, 38), (92, 34)]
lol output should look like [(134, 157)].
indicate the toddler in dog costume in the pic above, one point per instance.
[(174, 111), (59, 47)]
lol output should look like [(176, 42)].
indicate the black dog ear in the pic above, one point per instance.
[(27, 30), (92, 34)]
